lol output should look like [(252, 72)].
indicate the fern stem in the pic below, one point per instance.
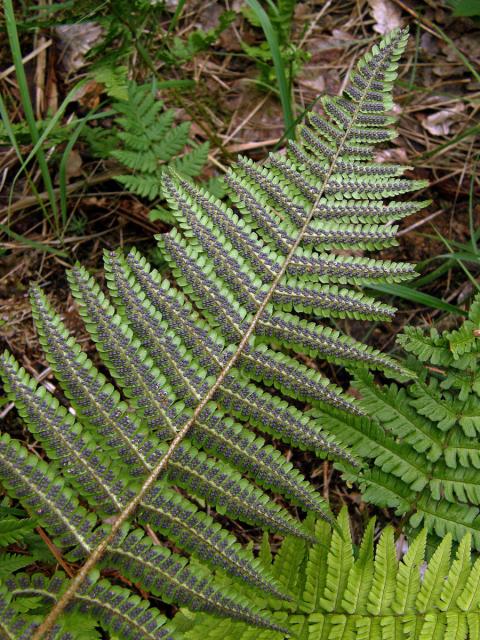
[(102, 547)]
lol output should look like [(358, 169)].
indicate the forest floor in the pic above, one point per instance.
[(437, 100)]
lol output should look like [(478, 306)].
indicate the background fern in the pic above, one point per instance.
[(15, 529), (171, 349), (353, 593), (421, 444), (145, 141)]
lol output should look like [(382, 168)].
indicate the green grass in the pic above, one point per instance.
[(283, 86), (52, 215)]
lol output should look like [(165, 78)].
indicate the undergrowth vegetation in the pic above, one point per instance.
[(422, 444), (341, 590)]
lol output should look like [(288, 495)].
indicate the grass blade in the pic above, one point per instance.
[(27, 105), (425, 299), (33, 244), (272, 39)]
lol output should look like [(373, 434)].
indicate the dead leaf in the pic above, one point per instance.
[(75, 40), (387, 16), (88, 95), (397, 154), (315, 83), (439, 123), (429, 44), (74, 165), (171, 5)]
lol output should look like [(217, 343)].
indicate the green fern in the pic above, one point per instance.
[(421, 449), (196, 361), (150, 143), (14, 530), (144, 139), (361, 593)]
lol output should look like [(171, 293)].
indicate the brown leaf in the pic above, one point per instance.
[(439, 123), (75, 40), (387, 16), (74, 165), (397, 154)]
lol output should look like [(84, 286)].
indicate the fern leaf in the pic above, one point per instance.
[(429, 348), (265, 411), (62, 438), (457, 576), (316, 569), (192, 163), (144, 186), (227, 336), (383, 584), (115, 608), (14, 529), (388, 604), (408, 576), (361, 575), (12, 625), (167, 574), (128, 362), (339, 562), (463, 340), (151, 142), (469, 598), (83, 464), (214, 431), (44, 496), (287, 567), (228, 491), (196, 532), (11, 562), (429, 593), (429, 439), (92, 397), (391, 406)]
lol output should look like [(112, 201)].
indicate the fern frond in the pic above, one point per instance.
[(151, 142), (12, 625), (214, 431), (384, 578), (244, 400), (368, 596), (11, 562), (81, 462), (14, 529), (360, 577), (45, 495), (315, 574), (339, 561), (94, 399), (426, 435), (168, 575), (114, 607), (63, 439), (197, 361), (228, 491), (196, 532), (159, 570), (408, 576)]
